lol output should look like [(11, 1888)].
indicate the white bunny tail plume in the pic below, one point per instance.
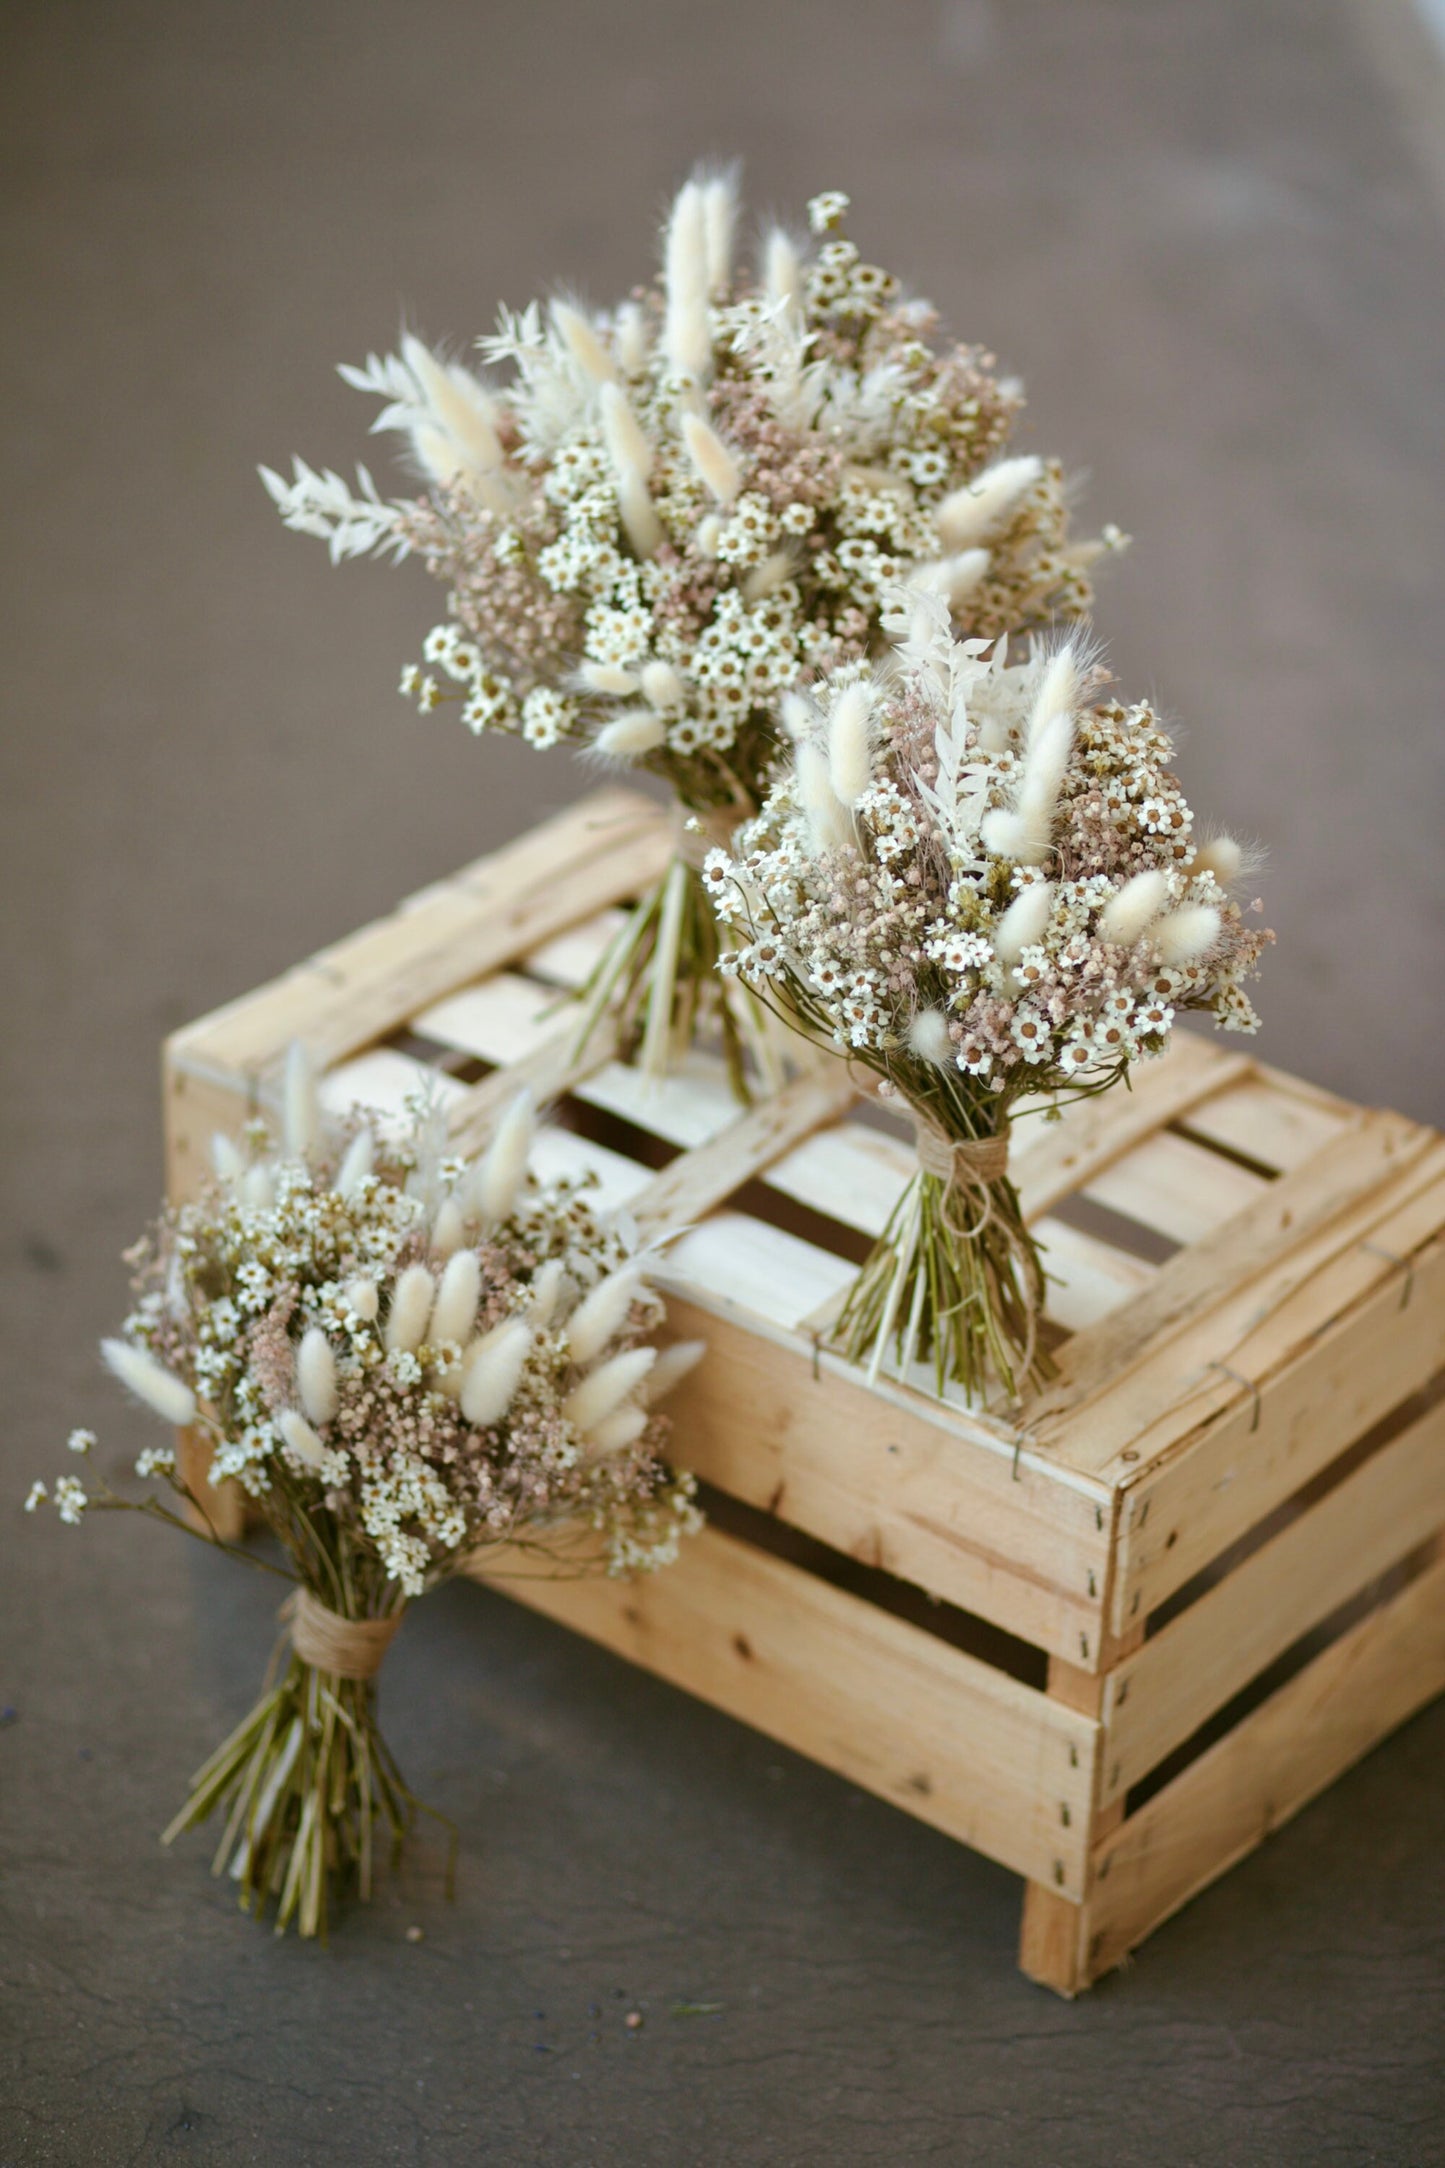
[(630, 337), (1187, 934), (316, 1376), (300, 1111), (686, 333), (769, 576), (601, 1315), (1024, 922), (499, 1173), (493, 1371), (1058, 691), (850, 767), (796, 715), (715, 464), (672, 1366), (638, 513), (356, 1166), (363, 1298), (163, 1392), (582, 343), (459, 404), (782, 268), (955, 577), (226, 1159), (300, 1437), (708, 535), (547, 1292), (928, 1038), (1222, 857), (411, 1308), (623, 434), (1025, 831), (829, 822), (609, 678), (975, 513), (630, 735), (258, 1188), (1126, 916), (455, 1311), (720, 212), (606, 1387), (617, 1431), (448, 1228), (662, 686)]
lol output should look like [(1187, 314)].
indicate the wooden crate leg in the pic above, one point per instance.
[(1056, 1939)]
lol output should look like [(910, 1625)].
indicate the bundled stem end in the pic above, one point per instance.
[(955, 1279), (310, 1791)]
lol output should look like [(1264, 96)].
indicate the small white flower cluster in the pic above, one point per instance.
[(679, 508), (419, 1354), (981, 867)]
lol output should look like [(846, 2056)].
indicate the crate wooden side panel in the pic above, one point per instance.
[(1256, 1778), (1273, 1429), (960, 1745), (1157, 1698)]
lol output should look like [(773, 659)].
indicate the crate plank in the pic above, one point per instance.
[(1051, 1161), (1335, 1389), (1262, 1118), (881, 1479), (890, 1707), (1344, 1173), (1175, 1187), (1260, 1774), (569, 959), (702, 1178), (507, 1018), (360, 989), (740, 1266), (1158, 1697)]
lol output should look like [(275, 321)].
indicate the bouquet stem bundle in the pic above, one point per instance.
[(307, 1781), (956, 1277)]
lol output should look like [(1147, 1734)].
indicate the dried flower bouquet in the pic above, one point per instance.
[(677, 509), (405, 1361), (979, 881)]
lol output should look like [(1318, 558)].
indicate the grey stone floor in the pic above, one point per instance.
[(1211, 236)]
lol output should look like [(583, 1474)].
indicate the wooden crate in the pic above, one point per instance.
[(1112, 1646)]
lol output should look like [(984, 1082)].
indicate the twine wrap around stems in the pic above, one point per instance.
[(349, 1648)]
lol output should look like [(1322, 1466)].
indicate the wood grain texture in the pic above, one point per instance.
[(958, 1744)]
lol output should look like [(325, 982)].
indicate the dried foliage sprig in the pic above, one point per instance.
[(406, 1361), (979, 880), (678, 508)]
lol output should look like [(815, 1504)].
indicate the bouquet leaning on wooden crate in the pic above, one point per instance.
[(1111, 1635), (405, 1362)]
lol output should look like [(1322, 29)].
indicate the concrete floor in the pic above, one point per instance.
[(1212, 239)]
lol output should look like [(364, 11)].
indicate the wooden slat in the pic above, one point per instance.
[(892, 1708), (1179, 1189), (692, 1185), (1157, 1698), (197, 1108), (1087, 1278), (1336, 1388), (1352, 1168), (505, 1019), (1285, 1753), (552, 1069), (688, 1107), (1267, 1121), (366, 986), (852, 1173), (569, 959), (1051, 1162), (386, 1081), (741, 1267), (1249, 1335), (881, 1479)]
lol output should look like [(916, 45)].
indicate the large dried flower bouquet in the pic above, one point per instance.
[(677, 509), (980, 881), (406, 1362)]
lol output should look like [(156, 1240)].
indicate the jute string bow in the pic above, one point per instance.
[(349, 1648)]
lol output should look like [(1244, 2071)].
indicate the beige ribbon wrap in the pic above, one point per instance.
[(349, 1648)]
